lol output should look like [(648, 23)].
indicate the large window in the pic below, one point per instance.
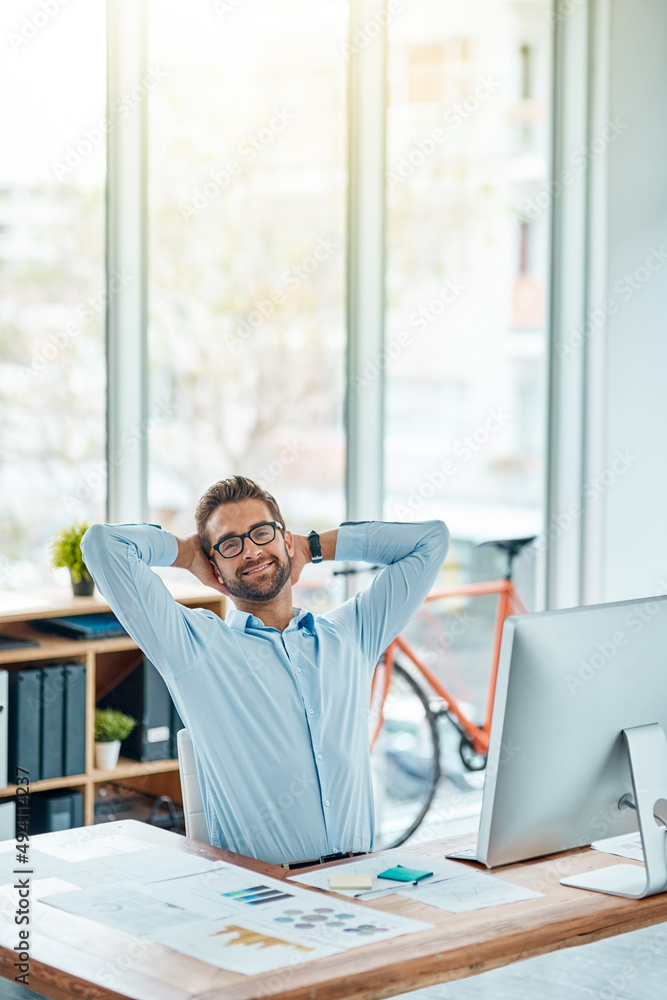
[(467, 261), (247, 182), (246, 166), (467, 264), (52, 278)]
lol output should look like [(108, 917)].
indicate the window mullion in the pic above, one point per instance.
[(366, 260), (127, 380)]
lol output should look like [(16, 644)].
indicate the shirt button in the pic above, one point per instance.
[(298, 670), (326, 802), (311, 711), (319, 756)]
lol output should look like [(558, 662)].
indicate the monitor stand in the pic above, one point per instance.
[(647, 751)]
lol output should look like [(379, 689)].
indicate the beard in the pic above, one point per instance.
[(265, 588)]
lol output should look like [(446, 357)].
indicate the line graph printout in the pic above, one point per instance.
[(470, 891), (126, 907)]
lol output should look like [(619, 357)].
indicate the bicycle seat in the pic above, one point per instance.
[(512, 546)]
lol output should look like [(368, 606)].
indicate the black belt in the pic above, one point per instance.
[(292, 865)]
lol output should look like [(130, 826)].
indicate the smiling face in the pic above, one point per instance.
[(260, 572)]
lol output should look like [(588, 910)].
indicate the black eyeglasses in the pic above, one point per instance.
[(232, 546)]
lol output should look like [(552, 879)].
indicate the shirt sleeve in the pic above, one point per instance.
[(412, 555), (119, 557)]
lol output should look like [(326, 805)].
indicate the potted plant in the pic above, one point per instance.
[(66, 551), (111, 727)]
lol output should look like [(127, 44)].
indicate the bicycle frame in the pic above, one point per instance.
[(509, 603)]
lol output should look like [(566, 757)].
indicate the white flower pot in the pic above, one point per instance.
[(106, 755)]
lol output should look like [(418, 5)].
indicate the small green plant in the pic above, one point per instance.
[(112, 725), (66, 551)]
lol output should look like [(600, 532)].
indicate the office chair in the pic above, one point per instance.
[(193, 803)]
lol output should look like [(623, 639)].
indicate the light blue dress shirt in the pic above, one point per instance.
[(279, 720)]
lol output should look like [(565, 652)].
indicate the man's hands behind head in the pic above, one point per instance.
[(191, 557), (301, 556)]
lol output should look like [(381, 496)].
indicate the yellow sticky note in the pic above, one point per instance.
[(350, 880)]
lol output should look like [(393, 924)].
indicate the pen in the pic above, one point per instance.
[(403, 885)]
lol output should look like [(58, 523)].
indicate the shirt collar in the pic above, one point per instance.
[(243, 621)]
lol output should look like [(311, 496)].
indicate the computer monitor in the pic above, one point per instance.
[(560, 771)]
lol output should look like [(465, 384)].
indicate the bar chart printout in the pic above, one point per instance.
[(257, 895)]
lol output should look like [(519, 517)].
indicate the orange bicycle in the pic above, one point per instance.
[(405, 714)]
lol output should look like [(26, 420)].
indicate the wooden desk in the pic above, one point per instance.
[(72, 957)]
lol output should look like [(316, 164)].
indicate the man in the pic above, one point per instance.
[(275, 700)]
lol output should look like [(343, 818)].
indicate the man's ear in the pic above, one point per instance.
[(289, 543), (216, 571)]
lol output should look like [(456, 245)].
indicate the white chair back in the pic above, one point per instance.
[(193, 803)]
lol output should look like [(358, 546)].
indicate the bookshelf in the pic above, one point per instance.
[(107, 661)]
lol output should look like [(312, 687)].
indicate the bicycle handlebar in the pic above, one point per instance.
[(351, 570), (510, 546)]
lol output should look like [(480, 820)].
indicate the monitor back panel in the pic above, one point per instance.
[(568, 683)]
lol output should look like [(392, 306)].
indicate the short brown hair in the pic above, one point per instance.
[(232, 490)]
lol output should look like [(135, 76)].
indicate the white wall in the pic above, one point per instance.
[(634, 515), (606, 536)]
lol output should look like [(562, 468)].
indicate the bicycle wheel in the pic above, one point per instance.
[(405, 759)]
